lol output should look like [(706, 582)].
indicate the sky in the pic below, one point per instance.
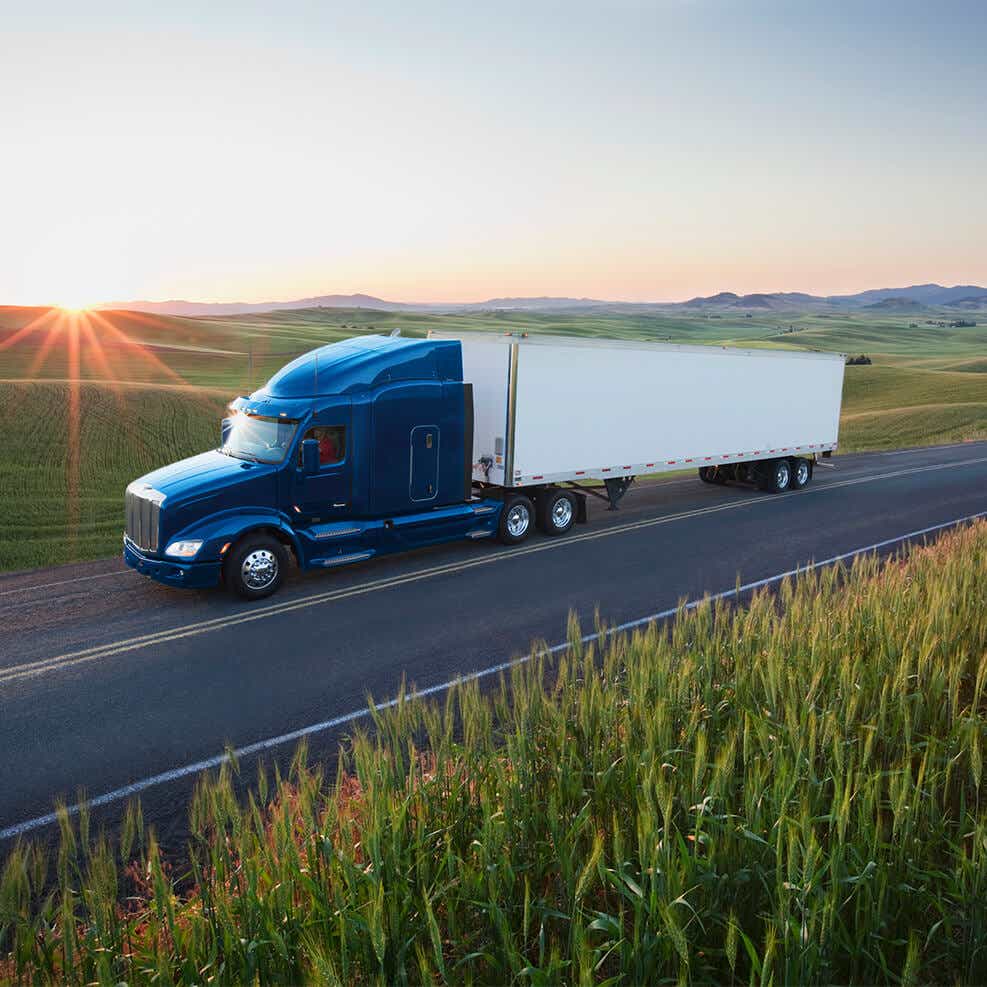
[(458, 151)]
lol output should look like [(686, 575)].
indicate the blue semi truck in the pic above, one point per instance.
[(357, 449), (381, 444)]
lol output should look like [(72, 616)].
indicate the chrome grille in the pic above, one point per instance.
[(143, 504)]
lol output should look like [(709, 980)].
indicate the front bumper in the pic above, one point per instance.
[(191, 575)]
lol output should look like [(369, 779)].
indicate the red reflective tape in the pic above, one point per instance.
[(542, 477), (670, 462), (686, 460), (606, 469), (625, 467), (580, 472), (649, 464), (708, 458)]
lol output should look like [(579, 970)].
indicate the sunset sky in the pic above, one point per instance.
[(439, 151)]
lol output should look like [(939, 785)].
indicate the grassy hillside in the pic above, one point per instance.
[(784, 795), (893, 406), (927, 384)]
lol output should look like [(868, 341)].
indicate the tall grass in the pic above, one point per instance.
[(790, 793)]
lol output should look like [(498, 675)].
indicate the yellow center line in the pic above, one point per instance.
[(44, 665)]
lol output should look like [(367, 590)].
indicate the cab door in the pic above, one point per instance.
[(328, 493)]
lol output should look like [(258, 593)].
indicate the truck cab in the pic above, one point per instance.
[(356, 449)]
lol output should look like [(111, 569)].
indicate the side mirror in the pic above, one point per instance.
[(310, 456), (227, 427)]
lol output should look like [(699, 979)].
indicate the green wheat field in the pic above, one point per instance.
[(80, 419), (788, 793)]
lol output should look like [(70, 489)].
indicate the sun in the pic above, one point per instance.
[(73, 307)]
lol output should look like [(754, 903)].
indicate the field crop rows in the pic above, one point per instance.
[(789, 793), (56, 506)]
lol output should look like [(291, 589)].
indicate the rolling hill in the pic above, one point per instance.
[(896, 303), (965, 296)]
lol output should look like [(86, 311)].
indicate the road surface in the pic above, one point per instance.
[(113, 685)]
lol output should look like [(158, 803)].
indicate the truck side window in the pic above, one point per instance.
[(332, 443)]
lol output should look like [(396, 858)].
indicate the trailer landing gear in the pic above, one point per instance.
[(616, 488)]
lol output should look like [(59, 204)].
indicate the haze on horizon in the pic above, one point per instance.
[(433, 152)]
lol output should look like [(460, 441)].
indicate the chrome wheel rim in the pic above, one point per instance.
[(782, 475), (802, 474), (259, 569), (562, 512), (518, 520)]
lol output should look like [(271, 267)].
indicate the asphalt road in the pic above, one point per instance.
[(108, 680)]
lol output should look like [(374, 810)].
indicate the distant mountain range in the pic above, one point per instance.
[(912, 298)]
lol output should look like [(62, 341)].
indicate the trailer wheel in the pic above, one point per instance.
[(801, 473), (704, 474), (776, 476), (255, 567), (515, 519), (713, 474), (556, 511)]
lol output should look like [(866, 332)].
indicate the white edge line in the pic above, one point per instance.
[(135, 788)]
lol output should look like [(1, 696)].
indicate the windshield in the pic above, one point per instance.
[(259, 439)]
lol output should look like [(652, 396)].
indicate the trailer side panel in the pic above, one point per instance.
[(601, 409)]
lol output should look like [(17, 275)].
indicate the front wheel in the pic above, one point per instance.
[(255, 567), (515, 519)]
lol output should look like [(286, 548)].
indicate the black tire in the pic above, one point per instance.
[(776, 476), (705, 474), (556, 512), (247, 570), (516, 519), (713, 474), (801, 473)]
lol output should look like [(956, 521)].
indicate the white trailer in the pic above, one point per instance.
[(555, 410)]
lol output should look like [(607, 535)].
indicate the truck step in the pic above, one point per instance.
[(336, 531), (337, 560)]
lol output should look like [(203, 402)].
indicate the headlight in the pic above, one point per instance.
[(183, 549)]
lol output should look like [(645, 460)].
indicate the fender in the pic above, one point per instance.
[(229, 526)]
